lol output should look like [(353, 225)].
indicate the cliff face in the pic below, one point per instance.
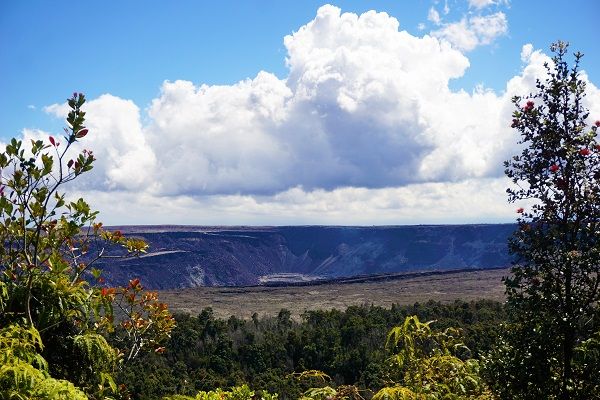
[(217, 256)]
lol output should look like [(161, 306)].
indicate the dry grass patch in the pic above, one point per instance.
[(245, 301)]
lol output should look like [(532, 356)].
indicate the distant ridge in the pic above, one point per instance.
[(190, 256)]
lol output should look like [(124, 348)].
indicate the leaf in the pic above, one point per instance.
[(48, 162), (81, 133)]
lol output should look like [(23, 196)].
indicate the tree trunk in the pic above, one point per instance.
[(568, 346)]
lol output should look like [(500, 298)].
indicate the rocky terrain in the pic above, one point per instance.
[(188, 256)]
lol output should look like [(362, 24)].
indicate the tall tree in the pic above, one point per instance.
[(553, 291)]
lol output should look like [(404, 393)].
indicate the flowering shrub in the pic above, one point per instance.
[(50, 246)]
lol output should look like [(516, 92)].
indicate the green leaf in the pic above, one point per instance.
[(48, 162)]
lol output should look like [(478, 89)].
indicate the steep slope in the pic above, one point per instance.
[(234, 256)]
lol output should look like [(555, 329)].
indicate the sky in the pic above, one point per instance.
[(288, 112)]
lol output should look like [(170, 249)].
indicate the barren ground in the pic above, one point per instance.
[(244, 301)]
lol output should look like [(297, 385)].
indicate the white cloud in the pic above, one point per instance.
[(489, 27), (473, 31), (434, 16), (479, 4), (125, 159), (364, 129), (469, 201), (459, 34), (347, 115), (58, 110), (526, 52)]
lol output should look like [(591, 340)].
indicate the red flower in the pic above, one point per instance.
[(597, 147), (597, 123), (520, 210), (584, 152), (52, 141), (554, 168), (134, 283), (528, 106), (104, 292)]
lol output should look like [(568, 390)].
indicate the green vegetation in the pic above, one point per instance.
[(242, 392), (550, 349), (205, 352), (54, 327)]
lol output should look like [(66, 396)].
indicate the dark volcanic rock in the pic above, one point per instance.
[(234, 256)]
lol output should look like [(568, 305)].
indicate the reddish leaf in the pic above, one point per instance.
[(81, 133)]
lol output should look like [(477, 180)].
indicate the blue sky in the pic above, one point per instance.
[(128, 49)]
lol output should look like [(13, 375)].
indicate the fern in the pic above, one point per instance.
[(57, 389), (19, 343), (398, 393), (23, 374), (322, 393), (96, 351), (242, 392)]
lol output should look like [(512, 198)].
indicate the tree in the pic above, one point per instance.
[(553, 293), (54, 324)]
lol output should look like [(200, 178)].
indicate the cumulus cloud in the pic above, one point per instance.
[(350, 113), (125, 159), (471, 32), (364, 129)]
